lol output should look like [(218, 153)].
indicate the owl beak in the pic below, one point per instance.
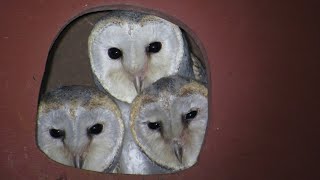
[(78, 161), (138, 84), (177, 148)]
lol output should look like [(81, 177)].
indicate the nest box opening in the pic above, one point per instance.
[(68, 64)]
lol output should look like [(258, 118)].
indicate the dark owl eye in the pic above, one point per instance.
[(154, 125), (95, 129), (57, 133), (114, 53), (191, 115), (154, 47)]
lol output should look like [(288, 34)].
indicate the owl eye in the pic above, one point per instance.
[(114, 53), (191, 115), (57, 133), (95, 129), (154, 47), (154, 125)]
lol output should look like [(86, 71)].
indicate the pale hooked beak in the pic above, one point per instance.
[(78, 161), (138, 83), (177, 148)]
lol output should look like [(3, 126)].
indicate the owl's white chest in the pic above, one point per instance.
[(132, 159)]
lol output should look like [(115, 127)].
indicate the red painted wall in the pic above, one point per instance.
[(264, 104)]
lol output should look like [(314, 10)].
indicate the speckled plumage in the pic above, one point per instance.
[(74, 110), (199, 70)]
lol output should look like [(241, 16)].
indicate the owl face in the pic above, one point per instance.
[(82, 132), (129, 51), (170, 127)]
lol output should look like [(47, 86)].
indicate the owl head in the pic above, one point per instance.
[(130, 50), (81, 127), (169, 120)]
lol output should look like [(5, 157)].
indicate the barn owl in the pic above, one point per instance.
[(129, 51), (168, 121), (80, 126)]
